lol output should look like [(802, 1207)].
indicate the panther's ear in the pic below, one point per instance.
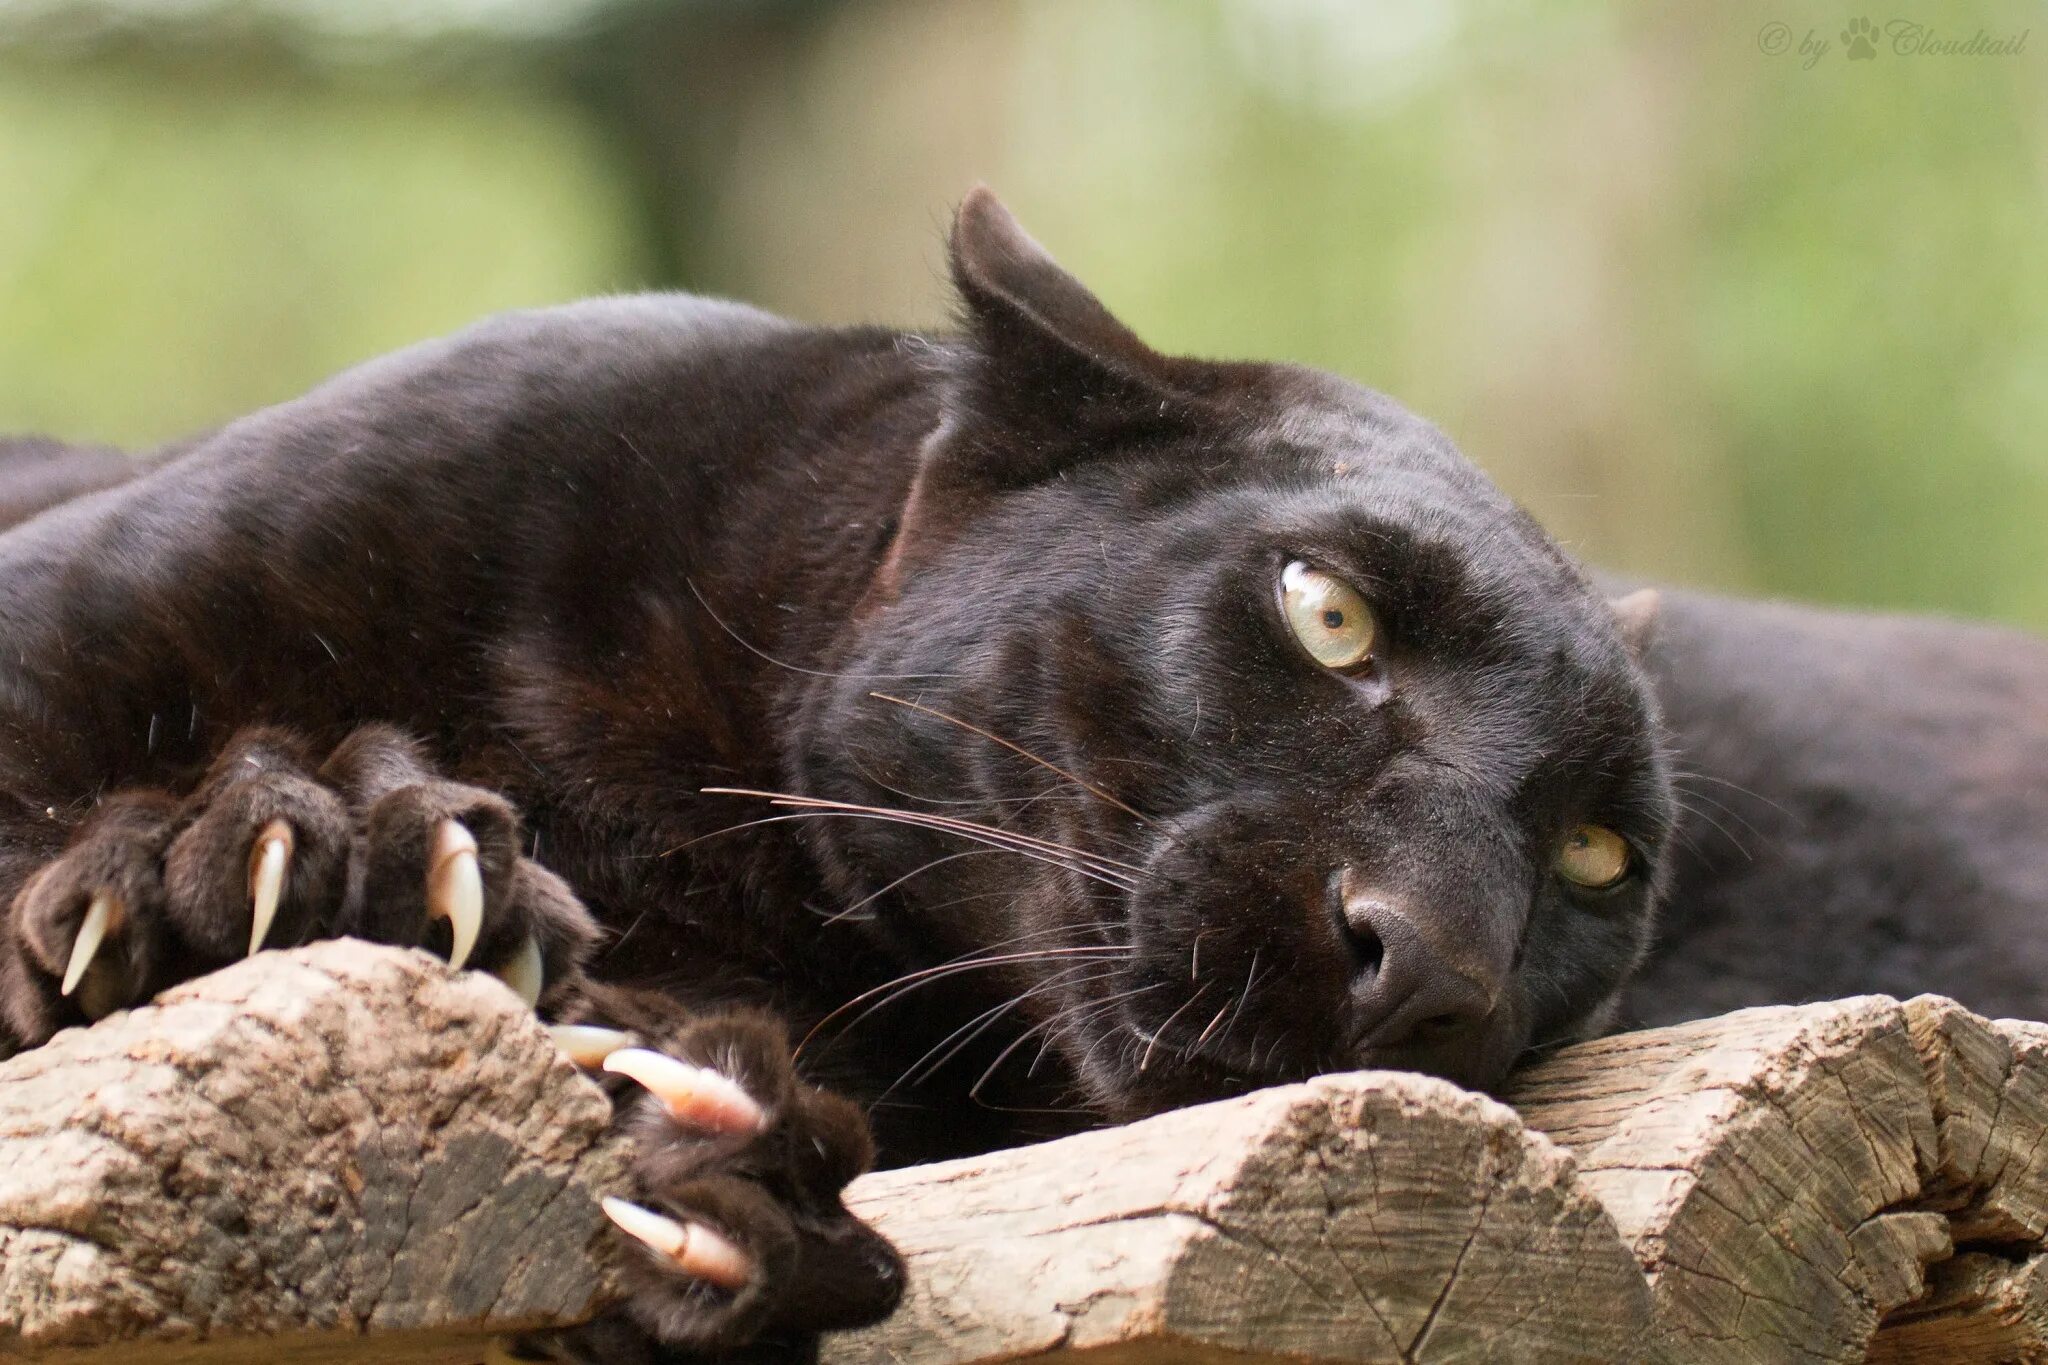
[(1636, 613), (1029, 317), (1044, 380)]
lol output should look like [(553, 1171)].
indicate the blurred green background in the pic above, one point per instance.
[(1767, 320)]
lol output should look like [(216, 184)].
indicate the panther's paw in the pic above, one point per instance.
[(267, 852), (737, 1231)]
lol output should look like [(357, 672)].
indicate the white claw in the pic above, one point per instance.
[(693, 1247), (665, 1235), (525, 973), (266, 880), (695, 1095), (711, 1257), (586, 1045), (455, 888), (99, 917)]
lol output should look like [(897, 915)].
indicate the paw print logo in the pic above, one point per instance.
[(1860, 38)]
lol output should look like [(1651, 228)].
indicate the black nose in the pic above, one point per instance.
[(1409, 990)]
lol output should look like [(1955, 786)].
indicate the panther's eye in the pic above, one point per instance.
[(1327, 615), (1593, 856)]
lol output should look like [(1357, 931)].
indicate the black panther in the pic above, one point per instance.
[(872, 745)]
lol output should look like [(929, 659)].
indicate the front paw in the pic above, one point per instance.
[(738, 1232), (268, 852)]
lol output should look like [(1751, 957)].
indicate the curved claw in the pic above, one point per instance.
[(695, 1249), (694, 1094), (266, 880), (92, 931), (525, 973), (455, 888), (586, 1044)]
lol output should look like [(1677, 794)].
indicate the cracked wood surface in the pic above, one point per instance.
[(346, 1154), (1857, 1180), (1369, 1217)]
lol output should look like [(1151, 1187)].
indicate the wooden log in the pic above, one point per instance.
[(274, 1161), (347, 1154), (1840, 1182), (294, 1152), (1979, 1308), (1368, 1217), (1988, 1084), (1754, 1162)]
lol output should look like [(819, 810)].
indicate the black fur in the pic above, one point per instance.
[(1867, 810)]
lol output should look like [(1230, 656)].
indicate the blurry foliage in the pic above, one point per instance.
[(174, 253), (1715, 315)]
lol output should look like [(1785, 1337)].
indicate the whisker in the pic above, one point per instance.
[(921, 868), (1725, 832), (974, 1091), (1686, 796), (729, 829), (1104, 1006), (910, 981), (1695, 775), (785, 798), (758, 652), (1016, 805), (1076, 863), (1045, 1030), (1251, 984), (948, 823), (1161, 1031), (982, 1022), (910, 818), (1017, 749), (1221, 1010)]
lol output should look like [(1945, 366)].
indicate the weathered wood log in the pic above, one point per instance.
[(344, 1140), (1749, 1161), (294, 1152), (1786, 1177), (348, 1153), (1369, 1217)]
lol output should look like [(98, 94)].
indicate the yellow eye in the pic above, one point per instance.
[(1593, 856), (1327, 615)]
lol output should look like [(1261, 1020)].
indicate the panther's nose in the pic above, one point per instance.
[(1414, 985)]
